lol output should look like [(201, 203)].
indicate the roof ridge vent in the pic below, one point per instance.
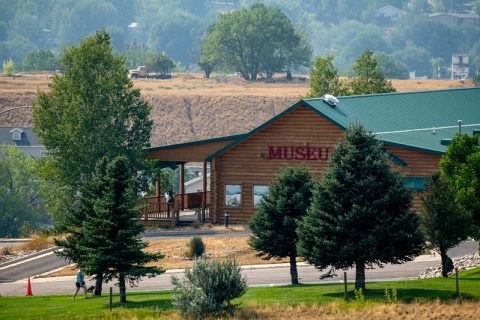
[(332, 101)]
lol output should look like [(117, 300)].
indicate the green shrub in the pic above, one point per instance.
[(8, 68), (476, 79), (196, 248), (359, 296), (208, 288)]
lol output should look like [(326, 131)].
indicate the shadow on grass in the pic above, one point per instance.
[(405, 295), (160, 304)]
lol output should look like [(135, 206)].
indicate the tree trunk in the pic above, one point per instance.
[(360, 275), (98, 285), (293, 268), (121, 284), (447, 263)]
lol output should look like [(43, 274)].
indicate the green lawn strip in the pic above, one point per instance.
[(156, 304)]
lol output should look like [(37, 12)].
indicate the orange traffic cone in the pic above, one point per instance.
[(29, 288)]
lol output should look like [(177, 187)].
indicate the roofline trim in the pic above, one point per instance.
[(396, 93), (192, 143), (406, 146)]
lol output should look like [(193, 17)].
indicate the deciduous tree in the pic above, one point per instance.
[(274, 225), (324, 79), (90, 111), (445, 224), (160, 62), (360, 213), (461, 167), (368, 78), (257, 39), (19, 192)]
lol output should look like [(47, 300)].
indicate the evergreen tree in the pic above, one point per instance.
[(111, 233), (360, 213), (275, 222), (444, 223), (368, 78)]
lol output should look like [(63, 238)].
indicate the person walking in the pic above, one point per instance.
[(80, 283)]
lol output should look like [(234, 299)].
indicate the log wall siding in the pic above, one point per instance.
[(247, 163)]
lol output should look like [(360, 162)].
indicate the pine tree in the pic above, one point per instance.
[(360, 213), (111, 233), (275, 222), (444, 222)]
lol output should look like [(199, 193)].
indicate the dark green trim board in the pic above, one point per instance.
[(166, 164), (417, 183), (192, 143)]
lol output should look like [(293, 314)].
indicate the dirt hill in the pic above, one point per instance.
[(188, 107)]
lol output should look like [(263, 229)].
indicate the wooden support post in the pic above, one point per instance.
[(345, 285), (158, 190), (457, 286), (204, 190), (111, 299), (182, 185)]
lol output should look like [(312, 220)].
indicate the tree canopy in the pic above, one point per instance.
[(360, 213), (367, 78), (444, 222), (20, 202), (90, 111), (460, 165), (257, 39)]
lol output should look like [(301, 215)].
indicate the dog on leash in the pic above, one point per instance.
[(90, 289)]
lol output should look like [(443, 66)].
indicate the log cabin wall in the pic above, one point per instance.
[(248, 163)]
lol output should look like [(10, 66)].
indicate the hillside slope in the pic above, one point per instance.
[(188, 107)]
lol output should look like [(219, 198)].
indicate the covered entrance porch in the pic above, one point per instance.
[(184, 207)]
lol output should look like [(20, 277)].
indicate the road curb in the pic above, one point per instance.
[(33, 255)]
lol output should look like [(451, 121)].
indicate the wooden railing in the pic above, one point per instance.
[(155, 210), (158, 210)]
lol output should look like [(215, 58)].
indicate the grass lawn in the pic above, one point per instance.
[(148, 305)]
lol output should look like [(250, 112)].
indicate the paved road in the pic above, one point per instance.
[(259, 275), (52, 262), (256, 276)]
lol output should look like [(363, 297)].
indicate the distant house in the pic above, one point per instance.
[(195, 185), (452, 19), (24, 138), (389, 14), (459, 66)]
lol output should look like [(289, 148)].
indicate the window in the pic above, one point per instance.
[(259, 191), (233, 195)]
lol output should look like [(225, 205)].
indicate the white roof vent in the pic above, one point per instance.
[(331, 100), (16, 133)]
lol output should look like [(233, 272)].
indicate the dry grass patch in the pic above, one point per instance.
[(333, 311), (217, 248), (37, 243), (174, 252)]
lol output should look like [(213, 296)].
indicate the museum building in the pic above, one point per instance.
[(415, 128)]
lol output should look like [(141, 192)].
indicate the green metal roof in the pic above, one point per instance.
[(386, 113)]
